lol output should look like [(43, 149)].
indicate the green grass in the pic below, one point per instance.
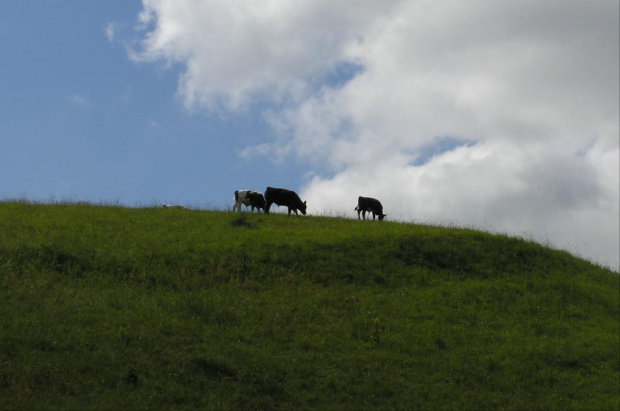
[(116, 308)]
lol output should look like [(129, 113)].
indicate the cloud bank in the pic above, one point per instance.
[(502, 116)]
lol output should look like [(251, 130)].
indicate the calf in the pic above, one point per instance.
[(249, 198), (283, 197), (372, 205)]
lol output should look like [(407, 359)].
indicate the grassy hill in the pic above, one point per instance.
[(116, 308)]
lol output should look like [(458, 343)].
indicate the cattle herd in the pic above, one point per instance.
[(290, 199)]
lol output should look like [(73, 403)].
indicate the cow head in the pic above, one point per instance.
[(258, 200), (302, 208), (382, 216)]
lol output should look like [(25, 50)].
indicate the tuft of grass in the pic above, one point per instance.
[(109, 307), (241, 220)]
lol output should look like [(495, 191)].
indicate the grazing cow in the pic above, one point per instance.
[(283, 197), (249, 198), (175, 206), (372, 205)]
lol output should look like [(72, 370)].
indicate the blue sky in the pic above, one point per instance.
[(500, 116), (81, 121)]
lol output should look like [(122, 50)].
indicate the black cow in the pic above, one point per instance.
[(372, 205), (249, 198), (283, 197)]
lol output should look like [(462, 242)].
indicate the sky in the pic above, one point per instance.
[(499, 116)]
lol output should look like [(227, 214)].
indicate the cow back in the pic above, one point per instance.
[(369, 203)]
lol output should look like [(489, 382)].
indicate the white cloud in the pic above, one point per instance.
[(111, 31), (530, 87), (236, 51), (80, 100)]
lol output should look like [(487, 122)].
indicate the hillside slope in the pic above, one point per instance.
[(106, 307)]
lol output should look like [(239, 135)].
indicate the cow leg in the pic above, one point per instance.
[(364, 214), (267, 207), (373, 216)]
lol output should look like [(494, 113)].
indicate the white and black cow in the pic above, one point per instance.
[(249, 198), (283, 197), (372, 205)]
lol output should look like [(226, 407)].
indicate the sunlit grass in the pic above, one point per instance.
[(110, 307)]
